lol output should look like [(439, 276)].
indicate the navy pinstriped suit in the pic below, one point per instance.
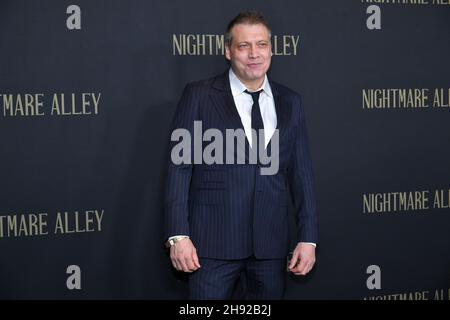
[(230, 211)]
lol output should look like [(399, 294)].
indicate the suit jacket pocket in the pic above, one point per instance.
[(212, 179)]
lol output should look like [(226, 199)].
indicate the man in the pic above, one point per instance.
[(228, 221)]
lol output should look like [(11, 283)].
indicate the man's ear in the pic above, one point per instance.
[(227, 52)]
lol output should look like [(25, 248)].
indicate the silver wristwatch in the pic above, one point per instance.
[(172, 241)]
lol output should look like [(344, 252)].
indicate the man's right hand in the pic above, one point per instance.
[(184, 256)]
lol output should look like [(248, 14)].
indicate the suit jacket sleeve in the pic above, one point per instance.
[(179, 175), (301, 179)]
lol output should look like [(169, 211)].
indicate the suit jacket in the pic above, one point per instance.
[(230, 211)]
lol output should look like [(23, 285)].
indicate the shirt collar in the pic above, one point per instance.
[(237, 87)]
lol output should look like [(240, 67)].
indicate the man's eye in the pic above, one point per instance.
[(262, 44), (242, 46)]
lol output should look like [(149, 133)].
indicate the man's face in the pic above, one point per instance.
[(250, 52)]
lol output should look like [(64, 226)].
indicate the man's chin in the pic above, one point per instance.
[(255, 76)]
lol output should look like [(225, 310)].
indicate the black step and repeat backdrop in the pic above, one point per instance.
[(87, 93)]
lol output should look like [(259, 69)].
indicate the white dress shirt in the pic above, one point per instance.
[(244, 103)]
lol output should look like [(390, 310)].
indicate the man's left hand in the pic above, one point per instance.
[(303, 259)]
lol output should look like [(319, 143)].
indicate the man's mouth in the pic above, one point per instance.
[(254, 65)]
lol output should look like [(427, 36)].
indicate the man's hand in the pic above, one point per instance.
[(303, 259), (184, 256)]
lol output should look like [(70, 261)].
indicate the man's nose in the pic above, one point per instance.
[(253, 53)]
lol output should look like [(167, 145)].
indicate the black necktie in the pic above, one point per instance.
[(257, 121)]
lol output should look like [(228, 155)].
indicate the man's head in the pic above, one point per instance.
[(248, 47)]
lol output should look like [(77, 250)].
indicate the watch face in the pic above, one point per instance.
[(173, 241)]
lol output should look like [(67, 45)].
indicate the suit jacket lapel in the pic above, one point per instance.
[(224, 102), (226, 108), (280, 108)]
